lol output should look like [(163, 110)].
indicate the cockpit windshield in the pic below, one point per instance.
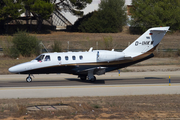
[(39, 58)]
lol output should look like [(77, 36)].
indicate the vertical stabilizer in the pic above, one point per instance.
[(146, 42)]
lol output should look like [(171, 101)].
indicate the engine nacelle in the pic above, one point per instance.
[(109, 56)]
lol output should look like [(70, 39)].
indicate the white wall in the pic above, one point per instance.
[(128, 2)]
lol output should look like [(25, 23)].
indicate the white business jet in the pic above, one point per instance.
[(93, 62)]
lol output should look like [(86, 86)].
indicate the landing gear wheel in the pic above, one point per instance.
[(83, 78), (28, 79), (93, 79)]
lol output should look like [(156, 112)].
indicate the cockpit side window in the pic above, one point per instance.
[(47, 58), (40, 58)]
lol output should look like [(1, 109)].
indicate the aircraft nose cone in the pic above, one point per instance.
[(12, 69)]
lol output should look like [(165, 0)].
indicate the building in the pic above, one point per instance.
[(93, 6), (63, 19)]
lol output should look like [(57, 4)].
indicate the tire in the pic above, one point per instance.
[(29, 79), (93, 79), (83, 78)]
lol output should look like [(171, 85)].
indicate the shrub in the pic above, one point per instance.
[(7, 47), (110, 18), (25, 45), (108, 42), (57, 46), (178, 52), (77, 25)]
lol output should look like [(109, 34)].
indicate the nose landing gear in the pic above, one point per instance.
[(29, 79)]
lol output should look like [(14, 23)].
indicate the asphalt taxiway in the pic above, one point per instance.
[(110, 84)]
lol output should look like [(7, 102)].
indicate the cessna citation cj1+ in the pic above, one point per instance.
[(93, 62)]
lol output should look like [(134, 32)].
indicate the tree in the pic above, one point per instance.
[(24, 44), (151, 13), (9, 10), (112, 13), (110, 17), (72, 6), (41, 9)]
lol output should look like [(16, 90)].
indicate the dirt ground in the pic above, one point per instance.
[(87, 108), (84, 41)]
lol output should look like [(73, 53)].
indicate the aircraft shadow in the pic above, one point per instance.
[(59, 81), (153, 78), (86, 81), (133, 79), (75, 81), (37, 81), (123, 79)]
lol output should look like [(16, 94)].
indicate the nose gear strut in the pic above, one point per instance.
[(29, 79)]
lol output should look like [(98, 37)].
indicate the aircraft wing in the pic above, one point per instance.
[(95, 70), (127, 58), (101, 70)]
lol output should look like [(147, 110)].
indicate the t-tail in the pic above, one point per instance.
[(146, 43)]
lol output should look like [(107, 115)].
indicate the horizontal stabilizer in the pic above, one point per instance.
[(159, 30), (163, 29)]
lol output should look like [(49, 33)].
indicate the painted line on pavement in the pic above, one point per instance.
[(88, 86)]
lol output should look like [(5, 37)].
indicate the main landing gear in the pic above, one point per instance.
[(83, 78), (92, 78), (29, 79)]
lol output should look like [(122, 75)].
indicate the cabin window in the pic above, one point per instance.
[(66, 57), (59, 58), (74, 57), (81, 57), (47, 58), (40, 58)]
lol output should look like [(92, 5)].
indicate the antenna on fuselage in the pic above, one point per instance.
[(90, 50), (41, 43)]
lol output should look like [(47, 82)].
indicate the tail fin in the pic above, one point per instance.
[(146, 42)]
